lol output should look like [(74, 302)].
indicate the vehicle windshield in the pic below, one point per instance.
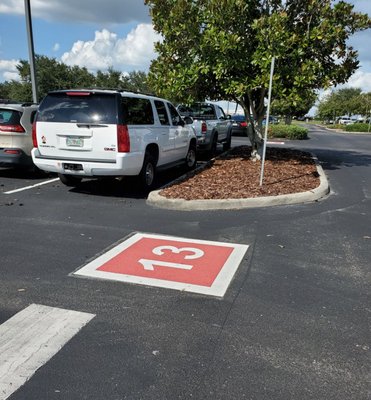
[(197, 110), (88, 108)]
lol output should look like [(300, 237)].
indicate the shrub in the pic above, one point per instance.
[(292, 132), (357, 128), (336, 126)]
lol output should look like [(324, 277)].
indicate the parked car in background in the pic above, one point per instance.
[(239, 125), (16, 134), (345, 121), (211, 124), (272, 120), (95, 133)]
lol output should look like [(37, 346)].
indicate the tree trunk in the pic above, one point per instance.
[(288, 119), (254, 130)]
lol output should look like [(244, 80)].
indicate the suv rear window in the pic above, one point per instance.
[(9, 117), (88, 108)]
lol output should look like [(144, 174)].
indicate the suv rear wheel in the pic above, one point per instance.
[(147, 175), (191, 158), (69, 180)]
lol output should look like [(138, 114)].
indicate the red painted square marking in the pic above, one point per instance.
[(136, 259), (178, 263)]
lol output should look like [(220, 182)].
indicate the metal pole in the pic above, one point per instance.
[(31, 50), (267, 122)]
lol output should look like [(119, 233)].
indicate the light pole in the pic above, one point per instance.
[(31, 50), (267, 122)]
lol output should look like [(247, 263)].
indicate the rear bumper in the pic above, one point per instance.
[(125, 164), (17, 159)]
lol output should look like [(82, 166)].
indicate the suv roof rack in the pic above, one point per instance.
[(115, 90)]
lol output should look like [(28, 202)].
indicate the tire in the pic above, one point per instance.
[(227, 144), (191, 158), (214, 144), (147, 175), (69, 180)]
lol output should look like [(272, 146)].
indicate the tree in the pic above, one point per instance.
[(110, 79), (54, 75), (223, 49), (51, 75), (136, 81), (346, 101), (289, 110)]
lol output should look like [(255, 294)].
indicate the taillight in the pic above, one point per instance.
[(12, 128), (203, 127), (34, 137), (243, 124), (123, 139), (78, 93), (10, 151)]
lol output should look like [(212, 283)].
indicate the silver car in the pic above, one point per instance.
[(16, 134)]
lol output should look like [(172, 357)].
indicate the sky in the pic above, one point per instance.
[(98, 34)]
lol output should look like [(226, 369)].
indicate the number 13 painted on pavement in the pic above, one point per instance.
[(149, 265)]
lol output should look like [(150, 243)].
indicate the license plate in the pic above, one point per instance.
[(75, 141)]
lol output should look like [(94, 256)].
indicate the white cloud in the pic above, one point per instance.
[(360, 80), (108, 11), (56, 47), (134, 51), (8, 70)]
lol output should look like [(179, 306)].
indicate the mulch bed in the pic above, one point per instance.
[(236, 176)]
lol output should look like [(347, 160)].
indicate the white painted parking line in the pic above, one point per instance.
[(274, 142), (32, 186), (30, 338), (190, 265)]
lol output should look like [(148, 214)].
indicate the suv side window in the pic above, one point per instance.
[(137, 111), (176, 119), (162, 113)]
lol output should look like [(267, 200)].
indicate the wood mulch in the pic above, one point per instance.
[(236, 176)]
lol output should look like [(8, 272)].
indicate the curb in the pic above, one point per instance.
[(341, 130), (159, 201)]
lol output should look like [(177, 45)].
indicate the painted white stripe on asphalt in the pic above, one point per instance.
[(30, 338), (32, 186)]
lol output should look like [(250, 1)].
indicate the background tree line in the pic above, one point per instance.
[(54, 75), (344, 102)]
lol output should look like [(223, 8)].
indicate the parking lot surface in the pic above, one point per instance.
[(293, 322)]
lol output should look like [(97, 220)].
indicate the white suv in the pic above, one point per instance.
[(93, 133), (16, 134)]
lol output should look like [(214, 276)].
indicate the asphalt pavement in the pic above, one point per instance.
[(294, 322)]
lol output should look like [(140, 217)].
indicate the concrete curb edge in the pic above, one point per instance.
[(159, 201)]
